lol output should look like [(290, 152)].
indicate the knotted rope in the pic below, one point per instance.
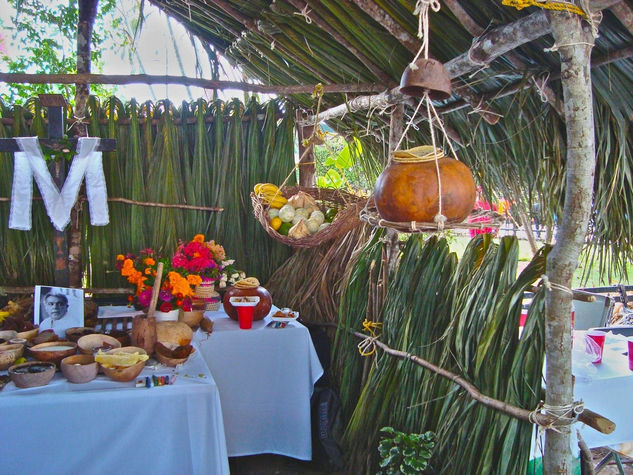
[(562, 415)]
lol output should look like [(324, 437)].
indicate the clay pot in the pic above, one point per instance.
[(191, 318), (406, 192), (430, 76), (261, 309)]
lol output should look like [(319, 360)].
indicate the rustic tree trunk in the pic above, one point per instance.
[(87, 14), (574, 45)]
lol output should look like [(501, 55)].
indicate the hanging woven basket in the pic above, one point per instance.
[(349, 206)]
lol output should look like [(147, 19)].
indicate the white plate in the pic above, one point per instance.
[(285, 319), (242, 302)]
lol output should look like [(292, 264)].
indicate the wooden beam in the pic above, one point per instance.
[(624, 13), (484, 50), (476, 30), (413, 45), (513, 88), (204, 83), (321, 23)]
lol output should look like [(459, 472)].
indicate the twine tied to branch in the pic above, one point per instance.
[(549, 285), (562, 415), (367, 346)]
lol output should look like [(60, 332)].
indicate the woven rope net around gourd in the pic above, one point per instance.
[(347, 218)]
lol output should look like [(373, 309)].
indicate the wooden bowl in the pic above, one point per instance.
[(90, 344), (121, 335), (28, 334), (75, 333), (79, 368), (128, 373), (22, 376), (168, 361), (44, 337), (53, 351), (10, 353)]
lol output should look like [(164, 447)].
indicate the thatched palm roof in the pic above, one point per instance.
[(289, 42)]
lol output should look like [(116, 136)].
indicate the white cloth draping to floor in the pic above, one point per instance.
[(105, 427), (265, 377)]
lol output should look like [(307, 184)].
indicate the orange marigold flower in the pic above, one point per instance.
[(120, 257), (194, 279), (198, 238), (148, 271), (148, 261)]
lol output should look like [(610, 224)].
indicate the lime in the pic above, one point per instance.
[(284, 228), (330, 214)]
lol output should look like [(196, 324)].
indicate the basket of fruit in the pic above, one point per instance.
[(305, 217)]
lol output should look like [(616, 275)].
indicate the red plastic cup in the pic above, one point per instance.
[(245, 316), (598, 337), (630, 342)]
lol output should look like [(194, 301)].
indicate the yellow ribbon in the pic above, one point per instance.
[(367, 347)]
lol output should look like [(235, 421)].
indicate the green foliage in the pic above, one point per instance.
[(337, 164), (406, 454), (46, 33)]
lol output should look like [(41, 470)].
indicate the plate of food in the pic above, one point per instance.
[(285, 315)]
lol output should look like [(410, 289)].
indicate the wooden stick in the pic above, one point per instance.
[(18, 78), (592, 419), (155, 290), (140, 203), (89, 290)]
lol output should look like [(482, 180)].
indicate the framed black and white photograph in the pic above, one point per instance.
[(59, 308)]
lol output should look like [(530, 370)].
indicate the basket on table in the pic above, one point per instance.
[(349, 206)]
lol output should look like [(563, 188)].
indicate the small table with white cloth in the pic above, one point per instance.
[(105, 426), (265, 376), (606, 388)]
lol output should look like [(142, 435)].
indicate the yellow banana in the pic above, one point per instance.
[(261, 187)]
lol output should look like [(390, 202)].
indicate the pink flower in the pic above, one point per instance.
[(145, 297), (164, 295)]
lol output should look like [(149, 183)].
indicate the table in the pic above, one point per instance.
[(606, 388), (108, 427), (265, 377)]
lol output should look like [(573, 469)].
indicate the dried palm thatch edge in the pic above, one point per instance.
[(346, 219), (592, 419)]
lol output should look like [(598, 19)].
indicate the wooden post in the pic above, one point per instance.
[(87, 14), (56, 105), (574, 43), (307, 168)]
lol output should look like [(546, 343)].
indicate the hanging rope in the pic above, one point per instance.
[(422, 10)]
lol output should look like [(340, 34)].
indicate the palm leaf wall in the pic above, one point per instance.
[(462, 316), (200, 153)]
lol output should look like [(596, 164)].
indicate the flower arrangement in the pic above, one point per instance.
[(194, 263), (176, 288)]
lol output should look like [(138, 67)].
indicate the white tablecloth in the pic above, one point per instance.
[(607, 388), (265, 377), (105, 427)]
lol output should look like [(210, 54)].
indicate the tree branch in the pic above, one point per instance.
[(592, 419), (204, 83)]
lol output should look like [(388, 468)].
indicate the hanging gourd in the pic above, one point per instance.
[(422, 189), (409, 189)]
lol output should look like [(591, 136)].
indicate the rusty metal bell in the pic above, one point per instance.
[(430, 76)]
